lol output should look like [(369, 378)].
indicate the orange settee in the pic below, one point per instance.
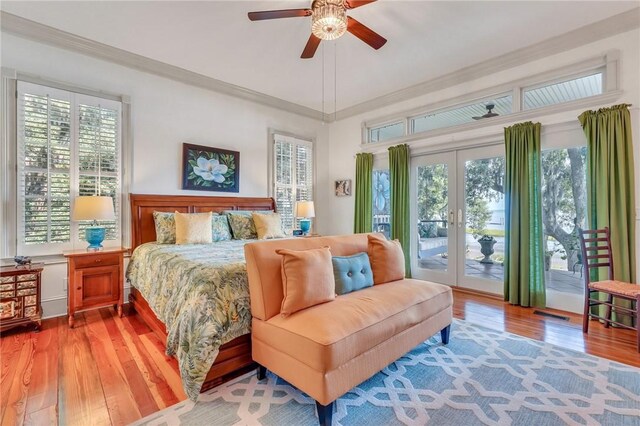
[(327, 349)]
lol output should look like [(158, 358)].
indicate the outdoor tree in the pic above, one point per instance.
[(564, 198), (433, 198)]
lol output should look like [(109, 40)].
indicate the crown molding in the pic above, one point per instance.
[(608, 27), (28, 29)]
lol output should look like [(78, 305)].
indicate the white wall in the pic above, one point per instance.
[(165, 114), (345, 136)]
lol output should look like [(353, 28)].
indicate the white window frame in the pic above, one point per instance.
[(296, 140), (8, 149)]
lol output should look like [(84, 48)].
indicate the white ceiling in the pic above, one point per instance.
[(426, 39)]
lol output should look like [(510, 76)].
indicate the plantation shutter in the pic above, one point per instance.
[(68, 145), (293, 176), (44, 166), (99, 158)]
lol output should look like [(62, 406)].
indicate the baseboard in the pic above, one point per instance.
[(477, 293)]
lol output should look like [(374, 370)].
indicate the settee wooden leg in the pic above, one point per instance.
[(262, 372), (325, 413), (444, 334)]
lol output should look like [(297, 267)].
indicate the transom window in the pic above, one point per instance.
[(563, 91), (69, 144), (386, 132), (461, 114), (519, 98)]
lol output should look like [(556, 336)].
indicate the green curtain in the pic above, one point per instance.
[(610, 188), (524, 248), (363, 220), (400, 221)]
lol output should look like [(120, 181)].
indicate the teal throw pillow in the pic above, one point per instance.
[(220, 228), (352, 273)]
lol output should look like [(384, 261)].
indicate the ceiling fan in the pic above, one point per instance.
[(489, 113), (329, 21)]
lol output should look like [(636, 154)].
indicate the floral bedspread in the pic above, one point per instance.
[(200, 292)]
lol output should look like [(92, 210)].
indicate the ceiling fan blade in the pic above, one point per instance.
[(352, 4), (365, 34), (311, 47), (276, 14)]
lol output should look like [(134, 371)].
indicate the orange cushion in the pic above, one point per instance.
[(307, 279), (387, 259)]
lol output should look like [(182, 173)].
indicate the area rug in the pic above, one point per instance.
[(482, 377)]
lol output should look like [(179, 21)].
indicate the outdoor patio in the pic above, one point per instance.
[(433, 256)]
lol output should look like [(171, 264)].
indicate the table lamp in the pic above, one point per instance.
[(305, 210), (93, 208)]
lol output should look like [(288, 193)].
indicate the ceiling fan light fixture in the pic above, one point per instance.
[(329, 20)]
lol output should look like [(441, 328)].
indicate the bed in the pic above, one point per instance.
[(224, 261)]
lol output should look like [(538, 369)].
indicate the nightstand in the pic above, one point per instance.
[(95, 280), (20, 296)]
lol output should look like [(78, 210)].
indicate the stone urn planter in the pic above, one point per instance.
[(486, 248)]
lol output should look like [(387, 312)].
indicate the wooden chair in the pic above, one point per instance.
[(596, 253)]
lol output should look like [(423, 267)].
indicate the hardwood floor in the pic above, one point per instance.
[(111, 370)]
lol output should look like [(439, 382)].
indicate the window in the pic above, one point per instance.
[(292, 176), (382, 202), (594, 83), (68, 145), (386, 132), (460, 114), (564, 91)]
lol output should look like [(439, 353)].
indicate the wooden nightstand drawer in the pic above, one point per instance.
[(96, 260)]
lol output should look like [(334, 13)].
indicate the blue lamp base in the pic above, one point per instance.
[(95, 236), (305, 226)]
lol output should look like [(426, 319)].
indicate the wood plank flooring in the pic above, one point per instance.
[(111, 370)]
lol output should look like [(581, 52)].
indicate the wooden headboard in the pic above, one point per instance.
[(143, 229)]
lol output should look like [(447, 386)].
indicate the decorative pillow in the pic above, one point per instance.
[(165, 227), (193, 228), (220, 228), (387, 259), (268, 225), (307, 279), (242, 226), (352, 273)]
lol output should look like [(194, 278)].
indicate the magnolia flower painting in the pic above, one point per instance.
[(210, 169)]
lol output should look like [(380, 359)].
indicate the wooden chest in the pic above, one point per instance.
[(20, 296)]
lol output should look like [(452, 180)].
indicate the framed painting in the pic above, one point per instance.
[(210, 169), (343, 188)]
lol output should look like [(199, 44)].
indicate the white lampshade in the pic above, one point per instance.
[(93, 208), (305, 209)]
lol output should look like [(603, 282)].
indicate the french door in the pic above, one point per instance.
[(457, 214)]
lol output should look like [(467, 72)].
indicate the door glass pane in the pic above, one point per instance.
[(564, 205), (382, 202), (484, 212), (433, 207)]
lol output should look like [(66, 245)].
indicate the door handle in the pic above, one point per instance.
[(459, 218), (451, 218)]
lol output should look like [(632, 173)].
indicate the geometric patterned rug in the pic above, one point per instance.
[(482, 377)]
